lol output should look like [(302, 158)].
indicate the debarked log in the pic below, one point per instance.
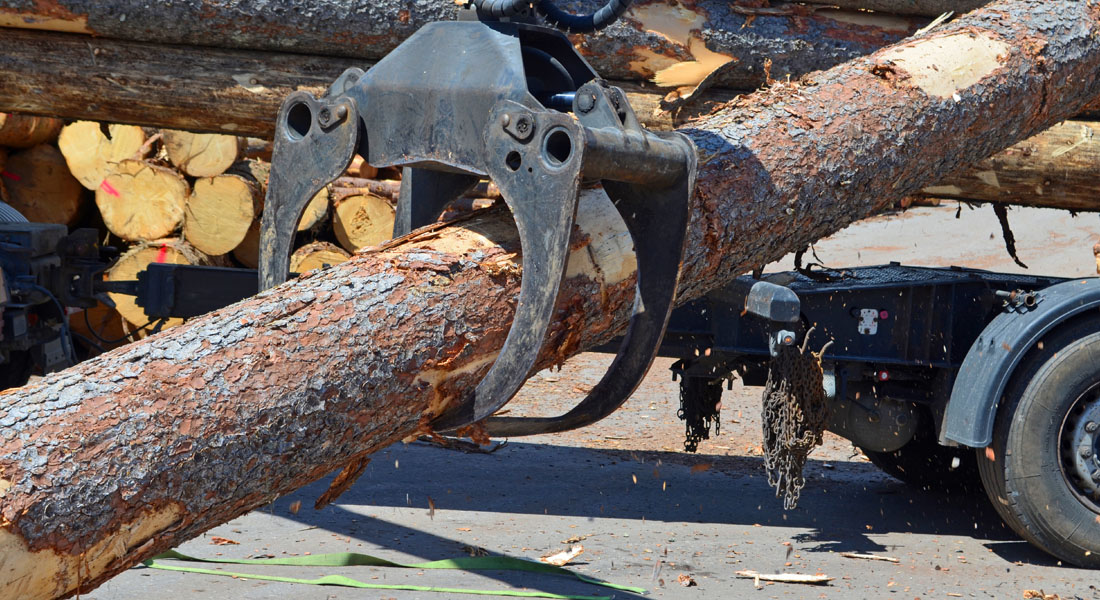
[(130, 453), (1057, 168)]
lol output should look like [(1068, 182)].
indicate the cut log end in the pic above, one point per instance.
[(316, 211), (203, 154), (23, 131), (317, 255), (40, 187), (170, 251), (362, 220), (219, 212), (140, 201), (248, 251), (92, 154)]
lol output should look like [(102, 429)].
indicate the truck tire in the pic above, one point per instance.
[(923, 463), (1041, 471)]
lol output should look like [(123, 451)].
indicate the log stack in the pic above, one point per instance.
[(33, 175), (187, 198), (200, 195), (177, 197)]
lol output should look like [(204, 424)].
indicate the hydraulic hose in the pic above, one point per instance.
[(501, 8), (570, 23), (556, 17)]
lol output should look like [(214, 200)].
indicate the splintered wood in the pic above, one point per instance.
[(816, 579)]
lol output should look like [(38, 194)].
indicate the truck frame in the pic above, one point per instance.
[(941, 376)]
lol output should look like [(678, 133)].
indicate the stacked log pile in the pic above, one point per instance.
[(189, 198), (169, 194), (179, 197)]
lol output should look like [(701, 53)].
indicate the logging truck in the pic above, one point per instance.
[(604, 224), (942, 377)]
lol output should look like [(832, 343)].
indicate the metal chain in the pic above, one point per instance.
[(794, 418), (700, 406)]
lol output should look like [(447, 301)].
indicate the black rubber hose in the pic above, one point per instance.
[(501, 8), (596, 21)]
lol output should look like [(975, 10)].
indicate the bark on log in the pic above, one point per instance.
[(128, 81), (202, 154), (652, 36), (126, 455), (924, 8), (1058, 168)]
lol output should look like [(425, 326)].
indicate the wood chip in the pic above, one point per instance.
[(559, 559), (1040, 595), (221, 541), (577, 538), (785, 577), (868, 556), (686, 580)]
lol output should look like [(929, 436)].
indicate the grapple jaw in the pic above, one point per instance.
[(459, 101)]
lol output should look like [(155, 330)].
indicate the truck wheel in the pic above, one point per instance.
[(925, 464), (1042, 471)]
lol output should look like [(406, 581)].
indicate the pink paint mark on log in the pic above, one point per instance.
[(11, 176), (109, 189), (163, 253)]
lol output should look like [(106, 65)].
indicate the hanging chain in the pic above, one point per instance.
[(700, 405), (794, 418)]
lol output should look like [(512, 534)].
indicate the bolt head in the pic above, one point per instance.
[(1086, 453), (586, 102), (523, 124), (505, 120), (1091, 427)]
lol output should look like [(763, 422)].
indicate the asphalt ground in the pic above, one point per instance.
[(645, 511)]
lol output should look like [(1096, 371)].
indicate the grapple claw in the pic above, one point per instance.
[(500, 109), (315, 141)]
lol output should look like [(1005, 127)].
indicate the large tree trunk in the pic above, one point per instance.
[(174, 87), (653, 35), (130, 453), (240, 91)]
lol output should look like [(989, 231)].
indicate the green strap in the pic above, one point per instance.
[(352, 559)]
